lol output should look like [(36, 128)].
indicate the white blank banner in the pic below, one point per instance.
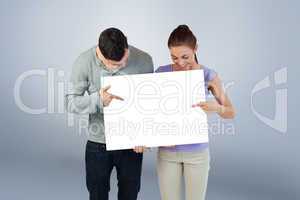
[(156, 111)]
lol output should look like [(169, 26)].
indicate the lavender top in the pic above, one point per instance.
[(209, 74)]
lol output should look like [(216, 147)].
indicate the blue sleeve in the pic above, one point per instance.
[(209, 74)]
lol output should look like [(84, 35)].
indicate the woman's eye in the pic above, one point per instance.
[(185, 57)]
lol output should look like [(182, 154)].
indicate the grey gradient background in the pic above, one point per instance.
[(41, 157)]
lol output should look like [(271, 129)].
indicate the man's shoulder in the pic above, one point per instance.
[(135, 52), (84, 60), (87, 55), (139, 60)]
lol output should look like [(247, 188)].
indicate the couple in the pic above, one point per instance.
[(113, 56)]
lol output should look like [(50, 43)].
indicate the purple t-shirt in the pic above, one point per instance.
[(209, 75)]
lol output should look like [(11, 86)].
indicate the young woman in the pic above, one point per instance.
[(189, 161)]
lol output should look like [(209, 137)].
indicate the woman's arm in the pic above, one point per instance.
[(222, 105), (226, 109)]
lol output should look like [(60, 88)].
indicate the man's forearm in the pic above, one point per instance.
[(83, 104)]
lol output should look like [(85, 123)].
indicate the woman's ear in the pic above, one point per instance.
[(196, 48)]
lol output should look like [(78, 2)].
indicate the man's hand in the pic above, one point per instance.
[(107, 97), (139, 149)]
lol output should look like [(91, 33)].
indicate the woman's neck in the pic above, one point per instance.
[(177, 68)]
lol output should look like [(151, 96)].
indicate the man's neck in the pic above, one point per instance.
[(99, 54)]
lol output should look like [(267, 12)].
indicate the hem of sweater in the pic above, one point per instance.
[(96, 139)]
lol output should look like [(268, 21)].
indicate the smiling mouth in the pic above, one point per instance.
[(185, 66)]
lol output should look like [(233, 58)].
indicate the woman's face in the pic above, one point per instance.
[(183, 57)]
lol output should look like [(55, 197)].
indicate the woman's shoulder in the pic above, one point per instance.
[(209, 73), (164, 68)]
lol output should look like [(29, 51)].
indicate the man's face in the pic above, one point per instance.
[(115, 65)]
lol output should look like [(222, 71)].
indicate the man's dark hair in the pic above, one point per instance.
[(112, 44)]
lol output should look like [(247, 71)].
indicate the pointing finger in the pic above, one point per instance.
[(198, 104), (117, 97)]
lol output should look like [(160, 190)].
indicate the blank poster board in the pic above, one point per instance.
[(156, 111)]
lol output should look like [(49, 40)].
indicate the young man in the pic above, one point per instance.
[(113, 56)]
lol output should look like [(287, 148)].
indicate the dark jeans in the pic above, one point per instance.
[(99, 164)]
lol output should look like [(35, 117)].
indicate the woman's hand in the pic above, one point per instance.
[(222, 105), (209, 106)]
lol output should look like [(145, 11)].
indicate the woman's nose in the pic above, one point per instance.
[(181, 63)]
